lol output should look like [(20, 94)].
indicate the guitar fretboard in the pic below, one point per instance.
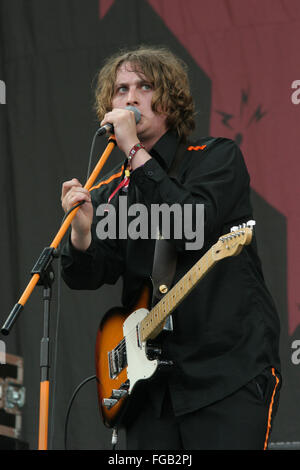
[(154, 322)]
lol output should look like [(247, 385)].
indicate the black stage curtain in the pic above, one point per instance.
[(50, 52)]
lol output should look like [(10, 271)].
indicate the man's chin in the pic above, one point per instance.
[(141, 133)]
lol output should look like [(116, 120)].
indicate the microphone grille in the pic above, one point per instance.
[(136, 112)]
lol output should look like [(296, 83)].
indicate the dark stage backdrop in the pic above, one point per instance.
[(244, 68)]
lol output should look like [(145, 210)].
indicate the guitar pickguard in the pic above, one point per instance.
[(139, 366)]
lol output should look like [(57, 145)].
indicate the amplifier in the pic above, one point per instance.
[(12, 396)]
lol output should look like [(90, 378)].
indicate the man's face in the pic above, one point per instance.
[(132, 89)]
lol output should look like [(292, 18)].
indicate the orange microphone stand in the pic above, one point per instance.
[(42, 274)]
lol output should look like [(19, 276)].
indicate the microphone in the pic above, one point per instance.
[(109, 128)]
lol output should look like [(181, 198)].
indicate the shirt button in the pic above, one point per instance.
[(150, 173)]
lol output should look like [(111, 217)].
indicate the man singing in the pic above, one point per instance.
[(222, 390)]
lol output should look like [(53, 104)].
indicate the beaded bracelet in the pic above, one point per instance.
[(134, 150)]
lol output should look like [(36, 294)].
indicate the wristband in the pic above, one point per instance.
[(134, 150)]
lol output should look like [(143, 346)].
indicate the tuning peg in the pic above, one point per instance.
[(251, 224)]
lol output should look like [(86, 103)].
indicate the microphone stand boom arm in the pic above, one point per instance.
[(42, 274)]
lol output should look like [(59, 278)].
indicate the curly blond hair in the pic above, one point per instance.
[(168, 76)]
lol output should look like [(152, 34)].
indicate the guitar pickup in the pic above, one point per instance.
[(117, 359)]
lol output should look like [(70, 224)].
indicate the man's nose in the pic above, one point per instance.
[(132, 97)]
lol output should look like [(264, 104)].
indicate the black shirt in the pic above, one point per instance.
[(227, 330)]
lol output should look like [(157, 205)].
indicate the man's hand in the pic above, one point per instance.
[(72, 193), (125, 133), (124, 124)]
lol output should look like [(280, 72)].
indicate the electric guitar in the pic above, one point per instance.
[(123, 352)]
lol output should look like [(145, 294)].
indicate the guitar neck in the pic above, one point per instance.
[(154, 322)]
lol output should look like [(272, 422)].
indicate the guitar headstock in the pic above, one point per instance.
[(232, 243)]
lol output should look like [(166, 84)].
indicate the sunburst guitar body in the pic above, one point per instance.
[(119, 356)]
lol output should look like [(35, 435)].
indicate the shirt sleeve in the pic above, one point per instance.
[(102, 263), (215, 178)]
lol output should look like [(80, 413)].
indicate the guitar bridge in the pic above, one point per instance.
[(117, 359)]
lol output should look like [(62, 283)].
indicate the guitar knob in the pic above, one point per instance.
[(118, 393), (125, 385), (109, 402)]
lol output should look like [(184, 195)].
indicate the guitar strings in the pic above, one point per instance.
[(156, 311), (187, 277)]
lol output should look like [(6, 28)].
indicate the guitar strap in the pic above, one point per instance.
[(165, 255)]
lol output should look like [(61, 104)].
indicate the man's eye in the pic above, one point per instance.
[(122, 89), (146, 86)]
